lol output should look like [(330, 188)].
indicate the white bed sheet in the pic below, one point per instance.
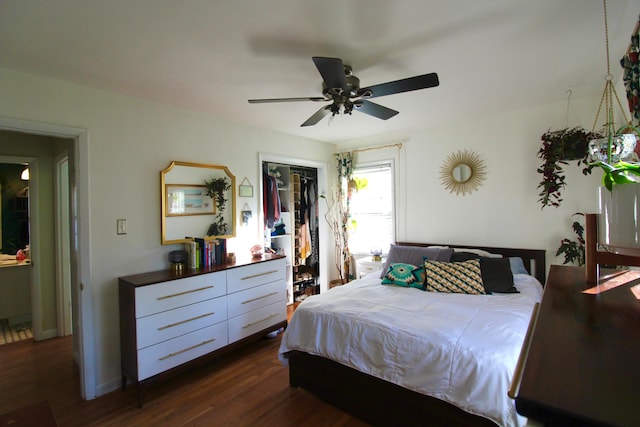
[(459, 348)]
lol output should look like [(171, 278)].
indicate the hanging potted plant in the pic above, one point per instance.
[(615, 154), (558, 148), (619, 196)]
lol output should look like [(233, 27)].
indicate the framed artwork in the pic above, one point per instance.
[(187, 199), (246, 189)]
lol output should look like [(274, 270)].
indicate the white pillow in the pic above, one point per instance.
[(478, 252)]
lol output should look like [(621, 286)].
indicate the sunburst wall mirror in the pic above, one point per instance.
[(463, 172)]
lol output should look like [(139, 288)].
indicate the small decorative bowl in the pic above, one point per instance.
[(257, 251)]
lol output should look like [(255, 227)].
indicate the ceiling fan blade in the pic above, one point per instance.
[(332, 71), (404, 85), (319, 115), (375, 110), (263, 101)]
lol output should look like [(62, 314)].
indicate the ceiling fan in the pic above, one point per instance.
[(343, 90)]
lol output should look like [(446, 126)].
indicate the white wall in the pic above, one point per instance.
[(504, 211), (129, 142)]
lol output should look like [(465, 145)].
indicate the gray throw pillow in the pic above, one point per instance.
[(414, 255)]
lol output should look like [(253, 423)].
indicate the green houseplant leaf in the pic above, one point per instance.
[(620, 172)]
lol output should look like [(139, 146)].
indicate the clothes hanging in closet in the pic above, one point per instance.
[(270, 201), (307, 216)]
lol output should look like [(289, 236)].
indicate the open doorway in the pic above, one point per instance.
[(15, 257), (298, 276), (78, 240)]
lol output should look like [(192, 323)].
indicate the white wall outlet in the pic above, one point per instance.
[(121, 226)]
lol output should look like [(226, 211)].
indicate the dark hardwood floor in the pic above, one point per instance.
[(248, 387)]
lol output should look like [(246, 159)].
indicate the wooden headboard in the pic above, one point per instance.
[(534, 259)]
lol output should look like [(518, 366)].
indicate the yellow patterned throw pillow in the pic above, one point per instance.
[(454, 277)]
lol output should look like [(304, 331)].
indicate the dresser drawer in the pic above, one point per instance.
[(179, 321), (256, 320), (256, 297), (252, 275), (169, 354), (177, 293)]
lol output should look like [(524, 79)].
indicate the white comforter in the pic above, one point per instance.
[(459, 348)]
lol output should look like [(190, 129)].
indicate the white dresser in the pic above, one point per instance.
[(169, 319)]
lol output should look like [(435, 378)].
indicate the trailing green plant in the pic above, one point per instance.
[(218, 227), (217, 189), (558, 147), (573, 250)]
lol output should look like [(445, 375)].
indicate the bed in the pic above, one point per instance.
[(400, 355)]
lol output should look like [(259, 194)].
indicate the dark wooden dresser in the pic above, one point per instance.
[(583, 363), (171, 320)]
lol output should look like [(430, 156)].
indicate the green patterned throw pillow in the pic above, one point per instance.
[(454, 277), (405, 275)]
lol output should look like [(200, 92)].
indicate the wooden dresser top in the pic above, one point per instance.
[(582, 365), (152, 277)]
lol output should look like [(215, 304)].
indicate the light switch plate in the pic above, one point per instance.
[(121, 226)]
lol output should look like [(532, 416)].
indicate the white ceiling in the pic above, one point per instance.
[(214, 55)]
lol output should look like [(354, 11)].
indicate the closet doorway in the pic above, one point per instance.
[(291, 217)]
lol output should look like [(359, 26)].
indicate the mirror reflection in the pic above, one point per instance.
[(198, 200), (462, 172)]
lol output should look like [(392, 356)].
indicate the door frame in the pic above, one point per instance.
[(62, 206), (323, 227), (81, 267)]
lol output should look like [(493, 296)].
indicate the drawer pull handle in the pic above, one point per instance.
[(170, 355), (184, 293), (259, 298), (171, 325), (259, 321), (259, 274)]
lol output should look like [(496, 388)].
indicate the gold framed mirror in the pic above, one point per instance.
[(463, 172), (198, 200)]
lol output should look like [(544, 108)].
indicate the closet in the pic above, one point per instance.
[(290, 204)]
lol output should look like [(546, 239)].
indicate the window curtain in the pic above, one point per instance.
[(631, 77), (344, 162)]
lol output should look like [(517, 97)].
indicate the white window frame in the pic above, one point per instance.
[(390, 163)]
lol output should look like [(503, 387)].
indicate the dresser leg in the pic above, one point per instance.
[(140, 395)]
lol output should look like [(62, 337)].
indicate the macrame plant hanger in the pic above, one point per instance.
[(609, 89), (566, 115)]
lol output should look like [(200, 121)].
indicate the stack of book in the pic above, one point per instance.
[(204, 253)]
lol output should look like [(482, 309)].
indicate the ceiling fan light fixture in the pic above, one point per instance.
[(342, 89)]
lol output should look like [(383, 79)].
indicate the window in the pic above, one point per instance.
[(371, 208)]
